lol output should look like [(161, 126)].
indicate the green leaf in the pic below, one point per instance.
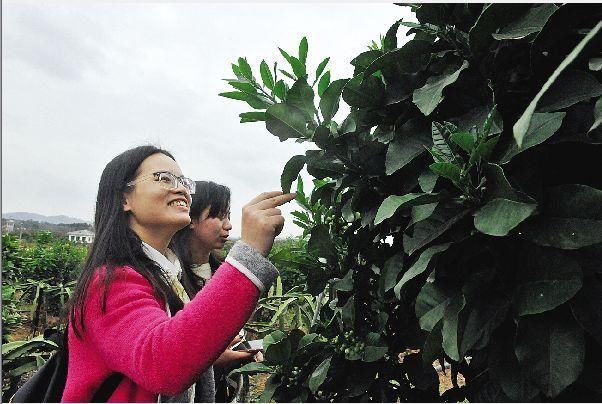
[(348, 312), (431, 349), (392, 268), (484, 149), (303, 50), (394, 202), (390, 41), (441, 150), (266, 75), (374, 353), (320, 242), (427, 97), (323, 84), (492, 17), (245, 69), (551, 349), (329, 104), (252, 117), (319, 375), (250, 369), (595, 64), (291, 170), (521, 126), (532, 21), (321, 68), (565, 233), (269, 389), (499, 216), (421, 212), (427, 181), (364, 92), (277, 348), (450, 330), (571, 87), (444, 217), (286, 122), (541, 127), (430, 306), (597, 115), (243, 86), (287, 74), (410, 141), (302, 96), (406, 60), (484, 317), (236, 71), (280, 89), (253, 100), (447, 170), (420, 265), (585, 307), (463, 139)]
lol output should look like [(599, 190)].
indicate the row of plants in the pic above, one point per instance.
[(456, 209)]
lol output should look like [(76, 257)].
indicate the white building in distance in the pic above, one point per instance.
[(81, 236)]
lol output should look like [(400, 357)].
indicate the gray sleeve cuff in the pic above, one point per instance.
[(253, 265)]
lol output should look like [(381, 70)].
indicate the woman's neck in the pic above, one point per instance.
[(155, 239), (199, 254)]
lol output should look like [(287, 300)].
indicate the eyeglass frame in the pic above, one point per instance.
[(178, 181)]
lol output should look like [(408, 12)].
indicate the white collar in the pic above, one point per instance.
[(170, 263)]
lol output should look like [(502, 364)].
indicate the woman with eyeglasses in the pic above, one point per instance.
[(195, 246), (130, 320)]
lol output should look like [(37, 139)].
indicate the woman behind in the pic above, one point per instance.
[(195, 246), (120, 321)]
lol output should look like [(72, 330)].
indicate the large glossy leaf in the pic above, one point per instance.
[(421, 212), (521, 126), (277, 348), (286, 122), (551, 348), (430, 95), (447, 170), (301, 96), (571, 218), (406, 60), (492, 17), (254, 116), (254, 101), (319, 375), (420, 265), (329, 103), (565, 233), (541, 128), (427, 230), (291, 170), (586, 308), (499, 216), (483, 318), (572, 86), (548, 279), (393, 267), (410, 141), (395, 202), (364, 92), (450, 331), (430, 306), (251, 369), (320, 242), (532, 21), (303, 50)]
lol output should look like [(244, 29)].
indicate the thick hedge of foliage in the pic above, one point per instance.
[(465, 202)]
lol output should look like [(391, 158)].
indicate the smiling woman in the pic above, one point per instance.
[(121, 321)]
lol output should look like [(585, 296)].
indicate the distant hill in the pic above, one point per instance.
[(41, 218)]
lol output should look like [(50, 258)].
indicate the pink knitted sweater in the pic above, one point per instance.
[(155, 353)]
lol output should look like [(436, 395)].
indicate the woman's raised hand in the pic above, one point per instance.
[(262, 221)]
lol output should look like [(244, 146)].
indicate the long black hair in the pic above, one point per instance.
[(115, 244), (210, 195)]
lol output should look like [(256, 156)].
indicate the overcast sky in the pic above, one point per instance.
[(82, 82)]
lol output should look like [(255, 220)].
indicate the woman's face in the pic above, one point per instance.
[(210, 233), (153, 207)]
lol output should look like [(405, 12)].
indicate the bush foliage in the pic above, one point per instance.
[(463, 199)]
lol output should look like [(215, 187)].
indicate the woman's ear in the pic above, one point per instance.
[(191, 223), (126, 204)]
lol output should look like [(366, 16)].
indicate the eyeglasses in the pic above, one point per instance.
[(167, 180)]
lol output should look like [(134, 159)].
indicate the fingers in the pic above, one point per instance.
[(275, 201), (264, 195), (272, 212), (236, 340)]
